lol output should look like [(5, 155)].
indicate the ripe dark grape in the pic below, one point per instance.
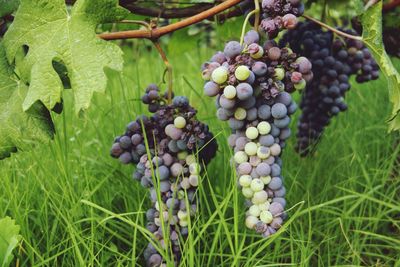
[(254, 98), (334, 61), (179, 148)]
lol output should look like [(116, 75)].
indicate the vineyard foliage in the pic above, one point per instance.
[(49, 39)]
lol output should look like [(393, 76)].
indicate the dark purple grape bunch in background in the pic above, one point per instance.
[(334, 61), (252, 84), (179, 147)]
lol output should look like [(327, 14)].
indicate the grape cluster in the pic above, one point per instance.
[(276, 14), (334, 61), (171, 167), (252, 84)]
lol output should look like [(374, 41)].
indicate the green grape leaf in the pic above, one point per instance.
[(9, 239), (19, 129), (372, 36), (50, 32), (8, 7)]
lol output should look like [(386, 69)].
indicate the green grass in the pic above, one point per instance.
[(79, 207)]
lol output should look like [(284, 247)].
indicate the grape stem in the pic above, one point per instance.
[(168, 68), (156, 33), (139, 22), (257, 17), (245, 24), (338, 32)]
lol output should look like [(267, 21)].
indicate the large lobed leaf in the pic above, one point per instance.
[(372, 36), (9, 238), (19, 129), (50, 33)]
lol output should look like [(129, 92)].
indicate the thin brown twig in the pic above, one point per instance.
[(154, 34), (338, 32)]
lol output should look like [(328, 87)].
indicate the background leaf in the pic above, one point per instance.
[(9, 238), (372, 35), (19, 129), (49, 33), (8, 7)]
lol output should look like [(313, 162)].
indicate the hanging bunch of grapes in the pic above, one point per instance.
[(179, 146), (276, 15), (334, 60), (252, 83)]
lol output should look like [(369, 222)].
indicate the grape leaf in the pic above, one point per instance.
[(19, 129), (372, 36), (51, 32), (8, 7), (9, 238)]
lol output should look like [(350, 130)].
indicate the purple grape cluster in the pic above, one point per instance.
[(280, 14), (252, 84), (276, 15), (334, 61), (179, 146)]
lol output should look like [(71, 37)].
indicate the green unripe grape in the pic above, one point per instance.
[(289, 51), (194, 180), (247, 192), (194, 168), (181, 194), (257, 185), (240, 157), (251, 149), (252, 133), (251, 222), (230, 92), (245, 180), (260, 197), (279, 74), (254, 210), (190, 159), (266, 179), (259, 54), (263, 152), (183, 223), (264, 128), (242, 73), (163, 206), (185, 184), (180, 122), (264, 206), (182, 155), (240, 114), (219, 75), (301, 85), (266, 216), (182, 215)]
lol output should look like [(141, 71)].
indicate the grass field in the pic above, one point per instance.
[(78, 207)]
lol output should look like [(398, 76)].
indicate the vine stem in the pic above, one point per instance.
[(168, 68), (257, 11), (338, 32), (156, 33), (245, 24), (139, 22)]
